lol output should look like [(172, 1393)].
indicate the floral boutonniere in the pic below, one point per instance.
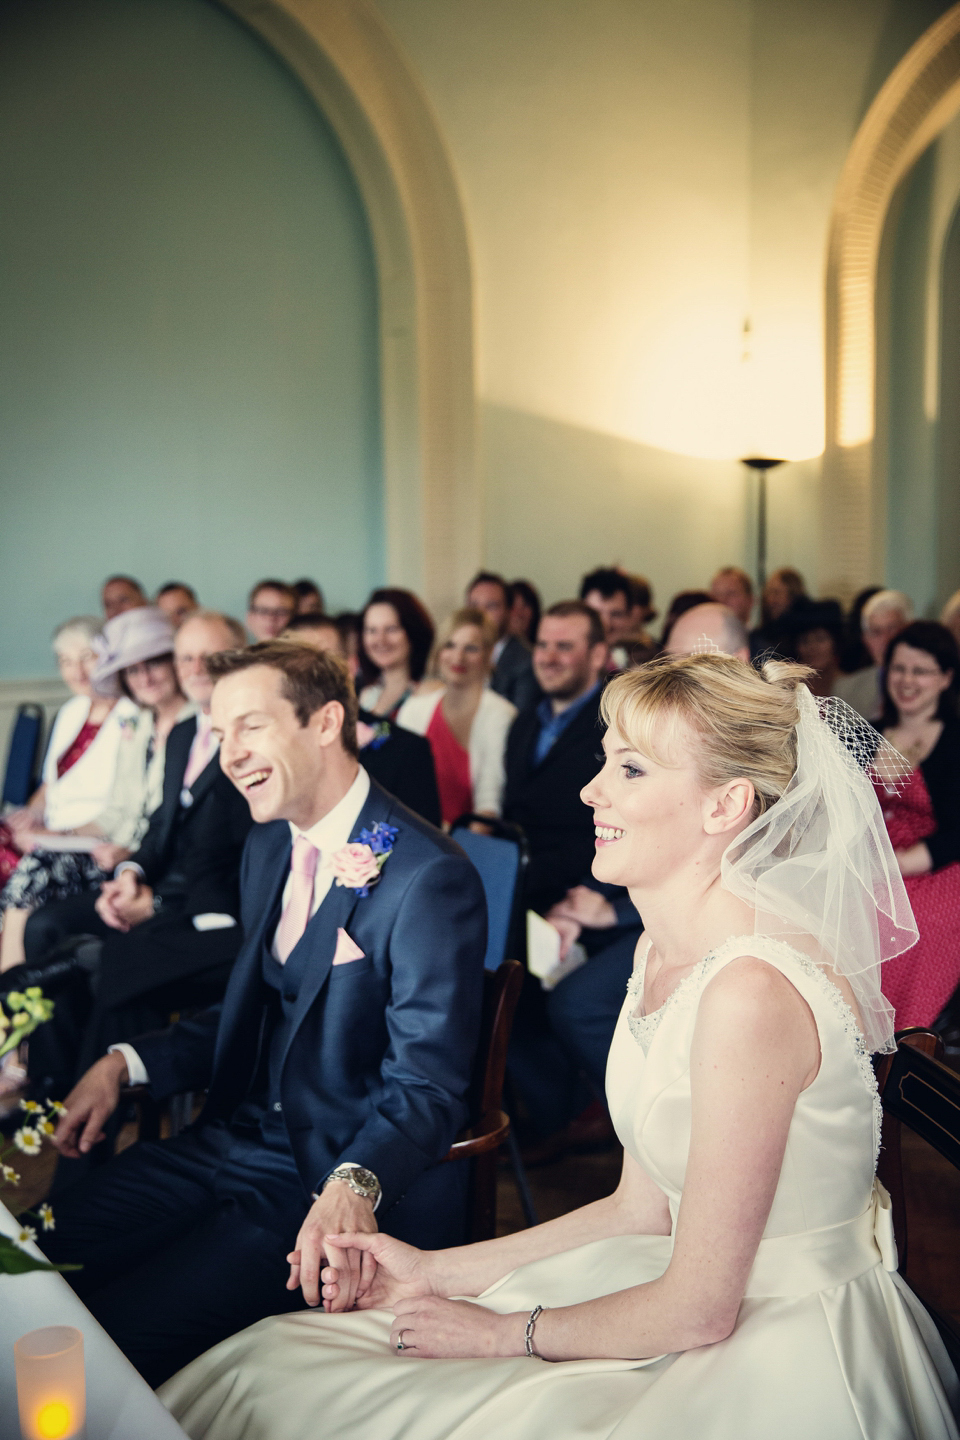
[(357, 866), (371, 737)]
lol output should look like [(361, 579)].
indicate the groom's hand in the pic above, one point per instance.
[(338, 1210), (89, 1105)]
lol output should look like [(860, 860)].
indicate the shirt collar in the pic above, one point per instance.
[(546, 714), (332, 832)]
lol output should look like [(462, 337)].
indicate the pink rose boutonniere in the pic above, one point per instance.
[(357, 866)]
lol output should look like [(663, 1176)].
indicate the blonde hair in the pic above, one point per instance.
[(743, 723), (466, 615)]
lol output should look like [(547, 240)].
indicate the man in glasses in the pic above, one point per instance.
[(273, 603)]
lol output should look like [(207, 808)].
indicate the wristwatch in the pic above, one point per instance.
[(361, 1181)]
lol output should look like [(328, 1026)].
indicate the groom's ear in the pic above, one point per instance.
[(728, 806)]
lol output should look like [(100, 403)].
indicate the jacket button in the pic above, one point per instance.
[(277, 1105)]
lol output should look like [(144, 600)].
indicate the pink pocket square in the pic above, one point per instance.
[(347, 949)]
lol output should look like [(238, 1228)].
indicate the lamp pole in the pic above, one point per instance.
[(761, 464)]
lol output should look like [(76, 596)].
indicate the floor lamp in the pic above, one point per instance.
[(761, 464)]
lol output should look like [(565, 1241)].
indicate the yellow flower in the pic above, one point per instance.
[(9, 1175), (56, 1108), (28, 1140), (30, 1106), (27, 1233), (47, 1126), (21, 1018), (46, 1216)]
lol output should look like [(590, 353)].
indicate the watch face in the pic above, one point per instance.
[(366, 1178)]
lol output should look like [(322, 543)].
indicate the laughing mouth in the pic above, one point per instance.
[(608, 832), (253, 780)]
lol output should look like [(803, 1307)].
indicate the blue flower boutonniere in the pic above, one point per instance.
[(357, 866)]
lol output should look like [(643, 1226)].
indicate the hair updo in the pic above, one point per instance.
[(743, 724)]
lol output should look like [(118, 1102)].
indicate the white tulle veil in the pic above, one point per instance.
[(818, 867)]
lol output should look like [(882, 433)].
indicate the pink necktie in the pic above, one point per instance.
[(296, 912), (200, 753)]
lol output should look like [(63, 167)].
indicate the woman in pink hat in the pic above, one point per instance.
[(103, 771)]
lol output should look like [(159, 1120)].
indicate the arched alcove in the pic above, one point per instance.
[(346, 58), (920, 97)]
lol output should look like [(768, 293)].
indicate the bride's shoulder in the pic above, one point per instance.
[(752, 999)]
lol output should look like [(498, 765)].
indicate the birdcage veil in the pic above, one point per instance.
[(818, 867)]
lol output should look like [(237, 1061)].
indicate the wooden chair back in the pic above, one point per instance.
[(919, 1091), (489, 1125)]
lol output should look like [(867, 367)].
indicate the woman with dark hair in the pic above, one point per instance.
[(923, 816), (525, 611), (396, 637), (813, 634), (683, 601)]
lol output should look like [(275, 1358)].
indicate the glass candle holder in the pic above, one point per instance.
[(51, 1390)]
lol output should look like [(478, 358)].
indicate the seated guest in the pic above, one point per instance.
[(623, 603), (465, 722), (337, 1067), (272, 605), (399, 761), (136, 650), (813, 634), (552, 751), (683, 601), (168, 919), (511, 674), (309, 597), (883, 616), (525, 611), (854, 654), (733, 587), (705, 626), (78, 770), (396, 635), (177, 601), (348, 623), (921, 681), (119, 593), (782, 590)]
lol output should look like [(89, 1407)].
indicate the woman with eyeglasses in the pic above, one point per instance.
[(103, 774), (923, 815)]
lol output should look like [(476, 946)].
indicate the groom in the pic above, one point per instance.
[(336, 1066)]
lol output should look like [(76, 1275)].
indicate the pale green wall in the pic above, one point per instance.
[(188, 319)]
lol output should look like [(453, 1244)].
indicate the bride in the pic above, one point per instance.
[(741, 1281)]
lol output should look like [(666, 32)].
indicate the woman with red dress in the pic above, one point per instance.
[(923, 816), (465, 722)]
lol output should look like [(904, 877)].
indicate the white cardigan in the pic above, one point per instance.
[(488, 741), (80, 795)]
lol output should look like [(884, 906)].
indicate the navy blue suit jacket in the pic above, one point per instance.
[(380, 1052)]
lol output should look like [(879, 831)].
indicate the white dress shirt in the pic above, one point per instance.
[(329, 835)]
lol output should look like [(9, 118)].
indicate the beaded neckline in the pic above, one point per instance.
[(643, 1028)]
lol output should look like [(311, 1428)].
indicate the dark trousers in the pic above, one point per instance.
[(161, 965), (183, 1242), (562, 1038)]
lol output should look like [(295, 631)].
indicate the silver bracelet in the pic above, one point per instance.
[(528, 1333)]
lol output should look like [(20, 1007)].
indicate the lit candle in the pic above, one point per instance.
[(51, 1391)]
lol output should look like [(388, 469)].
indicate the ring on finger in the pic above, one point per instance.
[(400, 1344)]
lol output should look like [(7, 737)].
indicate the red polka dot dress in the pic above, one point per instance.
[(920, 982)]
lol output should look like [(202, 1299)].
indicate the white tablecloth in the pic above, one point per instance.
[(120, 1405)]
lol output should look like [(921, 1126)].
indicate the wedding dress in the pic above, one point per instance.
[(829, 1343)]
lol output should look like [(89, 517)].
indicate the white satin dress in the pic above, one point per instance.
[(829, 1343)]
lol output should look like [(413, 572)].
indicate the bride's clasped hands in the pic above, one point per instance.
[(414, 1285)]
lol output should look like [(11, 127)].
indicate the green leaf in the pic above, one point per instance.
[(16, 1261)]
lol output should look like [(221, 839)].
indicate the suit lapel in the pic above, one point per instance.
[(320, 936)]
